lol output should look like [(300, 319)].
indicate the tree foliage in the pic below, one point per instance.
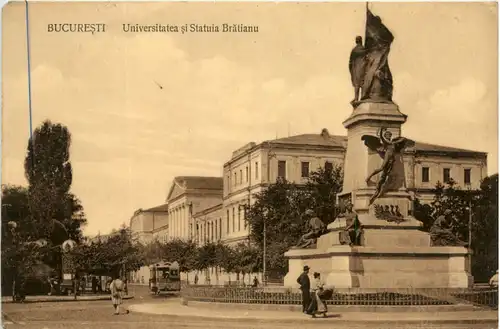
[(108, 256), (45, 209), (322, 188), (49, 173), (282, 206), (484, 205), (184, 252)]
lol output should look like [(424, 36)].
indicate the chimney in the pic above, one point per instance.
[(325, 133)]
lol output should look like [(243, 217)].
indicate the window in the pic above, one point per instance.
[(282, 169), (256, 170), (467, 177), (220, 228), (235, 179), (246, 174), (425, 174), (305, 169), (233, 220), (328, 166), (241, 176), (227, 222), (228, 183), (239, 219), (446, 175)]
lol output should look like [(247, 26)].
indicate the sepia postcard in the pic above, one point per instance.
[(249, 165)]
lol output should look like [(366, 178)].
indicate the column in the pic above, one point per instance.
[(176, 216)]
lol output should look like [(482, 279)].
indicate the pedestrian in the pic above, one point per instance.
[(305, 288), (196, 278), (317, 306), (99, 285), (94, 284), (255, 282), (117, 287)]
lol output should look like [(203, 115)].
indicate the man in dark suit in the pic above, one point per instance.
[(305, 287)]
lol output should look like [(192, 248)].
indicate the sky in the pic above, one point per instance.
[(130, 137)]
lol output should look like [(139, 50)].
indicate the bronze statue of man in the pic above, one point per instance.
[(388, 148), (357, 67), (352, 232)]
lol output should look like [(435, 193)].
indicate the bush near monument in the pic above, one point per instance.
[(484, 220)]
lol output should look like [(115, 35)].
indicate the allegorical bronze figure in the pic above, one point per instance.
[(441, 233), (316, 229), (369, 65), (388, 149)]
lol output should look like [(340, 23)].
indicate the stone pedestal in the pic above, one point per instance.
[(393, 254)]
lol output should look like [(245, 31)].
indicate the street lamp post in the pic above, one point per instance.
[(264, 278), (470, 237)]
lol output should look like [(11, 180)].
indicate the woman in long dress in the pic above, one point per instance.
[(317, 306), (117, 287)]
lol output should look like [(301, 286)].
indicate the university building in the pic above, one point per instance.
[(208, 209)]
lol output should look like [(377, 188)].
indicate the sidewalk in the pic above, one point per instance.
[(44, 299), (174, 308)]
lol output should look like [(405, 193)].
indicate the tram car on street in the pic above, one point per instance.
[(164, 277)]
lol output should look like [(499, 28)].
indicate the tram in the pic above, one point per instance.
[(164, 277)]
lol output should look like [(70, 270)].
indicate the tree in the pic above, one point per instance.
[(248, 259), (322, 188), (184, 252), (153, 252), (282, 206), (485, 230), (49, 174), (226, 258), (484, 206), (205, 257), (112, 255)]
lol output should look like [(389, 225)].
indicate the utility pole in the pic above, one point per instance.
[(470, 237), (264, 279)]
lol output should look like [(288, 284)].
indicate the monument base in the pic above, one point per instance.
[(383, 267)]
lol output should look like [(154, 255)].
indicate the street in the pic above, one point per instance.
[(99, 314)]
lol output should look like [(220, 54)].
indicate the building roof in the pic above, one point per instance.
[(208, 210), (162, 208), (325, 139), (313, 140), (200, 182), (425, 147)]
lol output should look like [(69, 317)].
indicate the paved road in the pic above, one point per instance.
[(98, 314)]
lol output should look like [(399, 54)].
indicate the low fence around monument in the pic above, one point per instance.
[(344, 297)]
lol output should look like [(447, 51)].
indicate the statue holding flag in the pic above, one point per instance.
[(369, 65)]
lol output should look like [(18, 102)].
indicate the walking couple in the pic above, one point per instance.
[(313, 300)]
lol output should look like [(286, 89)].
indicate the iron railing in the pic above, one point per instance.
[(345, 297)]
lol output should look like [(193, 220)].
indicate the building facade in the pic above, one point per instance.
[(209, 209), (253, 167), (150, 224)]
